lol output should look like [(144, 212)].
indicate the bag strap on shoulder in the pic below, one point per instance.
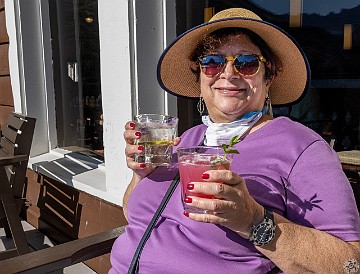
[(134, 266)]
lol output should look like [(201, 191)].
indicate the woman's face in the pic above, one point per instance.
[(229, 95)]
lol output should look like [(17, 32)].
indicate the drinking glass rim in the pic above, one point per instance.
[(219, 153), (206, 147), (192, 149), (164, 116)]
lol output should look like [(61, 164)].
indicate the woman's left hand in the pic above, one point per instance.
[(234, 208)]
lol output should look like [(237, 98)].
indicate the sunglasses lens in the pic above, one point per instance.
[(247, 64), (212, 64)]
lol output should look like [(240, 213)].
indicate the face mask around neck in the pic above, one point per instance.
[(218, 134)]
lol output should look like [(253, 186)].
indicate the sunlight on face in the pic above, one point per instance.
[(229, 95)]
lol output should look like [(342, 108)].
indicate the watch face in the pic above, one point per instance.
[(264, 233)]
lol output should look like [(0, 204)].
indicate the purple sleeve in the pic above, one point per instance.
[(320, 195)]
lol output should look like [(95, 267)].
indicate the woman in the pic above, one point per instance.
[(286, 206)]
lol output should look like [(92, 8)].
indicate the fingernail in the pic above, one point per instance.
[(142, 165), (188, 200), (137, 133), (205, 176), (132, 124), (190, 186), (140, 147), (186, 213)]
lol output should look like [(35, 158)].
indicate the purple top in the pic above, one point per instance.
[(288, 168)]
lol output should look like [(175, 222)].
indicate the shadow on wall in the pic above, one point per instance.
[(66, 168), (57, 207), (57, 201)]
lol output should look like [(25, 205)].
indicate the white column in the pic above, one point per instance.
[(116, 91), (133, 34)]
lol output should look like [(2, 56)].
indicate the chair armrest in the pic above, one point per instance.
[(63, 255), (9, 160)]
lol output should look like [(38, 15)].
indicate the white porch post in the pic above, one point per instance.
[(132, 36), (116, 91)]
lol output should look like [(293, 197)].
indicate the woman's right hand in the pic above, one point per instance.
[(140, 170), (130, 135)]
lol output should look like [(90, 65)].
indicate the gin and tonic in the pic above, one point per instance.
[(157, 137)]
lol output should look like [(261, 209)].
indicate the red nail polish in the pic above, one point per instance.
[(132, 124), (142, 165), (188, 200), (205, 176), (140, 148), (190, 186), (186, 213), (137, 133)]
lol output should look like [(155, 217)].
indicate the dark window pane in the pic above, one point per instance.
[(76, 61)]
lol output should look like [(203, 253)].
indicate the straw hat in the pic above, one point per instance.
[(175, 76)]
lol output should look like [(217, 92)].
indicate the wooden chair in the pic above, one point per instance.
[(14, 155), (60, 256), (15, 147)]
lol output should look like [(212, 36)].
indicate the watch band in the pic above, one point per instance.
[(269, 215), (264, 232)]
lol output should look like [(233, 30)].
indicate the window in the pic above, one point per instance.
[(76, 66)]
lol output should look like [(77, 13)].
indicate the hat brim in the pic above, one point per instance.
[(174, 68)]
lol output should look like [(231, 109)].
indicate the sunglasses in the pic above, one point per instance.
[(245, 65)]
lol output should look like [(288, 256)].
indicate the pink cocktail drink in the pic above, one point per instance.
[(192, 172), (193, 162)]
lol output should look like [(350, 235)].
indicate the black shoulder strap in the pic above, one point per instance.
[(134, 266)]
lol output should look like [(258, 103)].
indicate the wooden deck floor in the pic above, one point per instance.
[(38, 241)]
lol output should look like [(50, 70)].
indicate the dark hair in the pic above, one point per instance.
[(213, 41)]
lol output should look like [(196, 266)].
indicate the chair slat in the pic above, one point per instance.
[(10, 134), (65, 197), (8, 254), (9, 147), (4, 154), (14, 156), (55, 207), (27, 131), (16, 121), (5, 159), (12, 213)]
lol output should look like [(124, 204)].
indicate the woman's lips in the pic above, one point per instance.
[(230, 90)]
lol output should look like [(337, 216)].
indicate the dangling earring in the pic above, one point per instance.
[(201, 106), (268, 107)]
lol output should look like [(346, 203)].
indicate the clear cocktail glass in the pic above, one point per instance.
[(158, 132), (193, 162)]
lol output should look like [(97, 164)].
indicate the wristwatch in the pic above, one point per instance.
[(264, 232)]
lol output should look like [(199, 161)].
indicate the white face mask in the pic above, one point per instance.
[(221, 133)]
